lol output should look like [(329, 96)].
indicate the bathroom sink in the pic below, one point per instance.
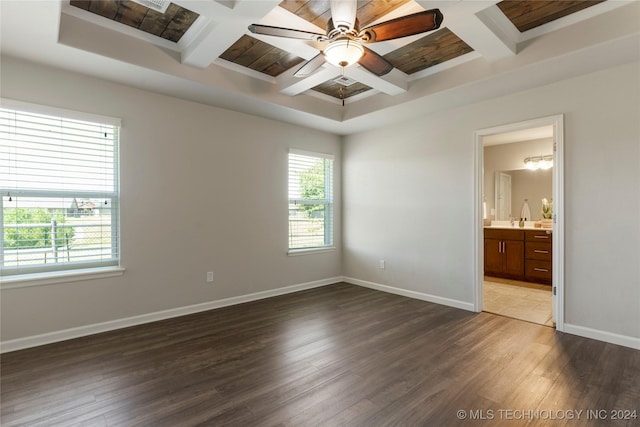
[(507, 224), (502, 224)]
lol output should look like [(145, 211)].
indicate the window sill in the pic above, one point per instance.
[(297, 252), (39, 279)]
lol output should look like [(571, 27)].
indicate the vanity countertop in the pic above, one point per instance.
[(516, 227), (528, 225)]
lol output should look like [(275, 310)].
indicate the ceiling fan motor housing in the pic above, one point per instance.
[(342, 30)]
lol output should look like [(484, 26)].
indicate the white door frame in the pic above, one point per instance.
[(557, 279)]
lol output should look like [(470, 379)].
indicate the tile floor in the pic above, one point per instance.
[(520, 300)]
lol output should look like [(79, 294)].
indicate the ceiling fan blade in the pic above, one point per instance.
[(343, 14), (291, 33), (375, 63), (404, 26), (310, 66)]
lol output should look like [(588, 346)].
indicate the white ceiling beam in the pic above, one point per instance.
[(210, 43), (496, 22), (482, 26), (227, 3), (290, 85), (393, 83), (223, 28)]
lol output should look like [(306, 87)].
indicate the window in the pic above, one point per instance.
[(59, 188), (310, 200)]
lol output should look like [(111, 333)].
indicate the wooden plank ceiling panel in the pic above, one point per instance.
[(315, 11), (339, 91), (171, 25), (428, 51), (528, 14), (369, 11), (131, 13), (260, 56), (179, 24)]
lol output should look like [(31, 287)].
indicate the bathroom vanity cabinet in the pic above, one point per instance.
[(518, 254), (504, 253)]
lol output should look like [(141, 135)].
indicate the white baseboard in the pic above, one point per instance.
[(81, 331), (411, 294), (66, 334), (582, 331), (599, 335)]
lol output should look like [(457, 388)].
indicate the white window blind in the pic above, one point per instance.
[(59, 188), (310, 200)]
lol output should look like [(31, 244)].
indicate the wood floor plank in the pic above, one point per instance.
[(339, 355)]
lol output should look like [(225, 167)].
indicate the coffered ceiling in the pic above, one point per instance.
[(202, 50)]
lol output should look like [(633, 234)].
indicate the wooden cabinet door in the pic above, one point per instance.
[(493, 256), (514, 257)]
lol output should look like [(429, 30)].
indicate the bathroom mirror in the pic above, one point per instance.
[(503, 196), (513, 187)]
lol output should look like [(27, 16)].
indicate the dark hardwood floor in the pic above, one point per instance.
[(339, 355)]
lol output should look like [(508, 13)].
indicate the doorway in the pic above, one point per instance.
[(520, 243)]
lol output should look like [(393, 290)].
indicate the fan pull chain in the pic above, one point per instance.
[(341, 90), (341, 93)]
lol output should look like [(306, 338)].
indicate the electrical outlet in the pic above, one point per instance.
[(210, 276), (381, 264)]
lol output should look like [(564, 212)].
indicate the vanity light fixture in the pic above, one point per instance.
[(538, 162)]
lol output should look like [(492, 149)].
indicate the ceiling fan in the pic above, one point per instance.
[(345, 38)]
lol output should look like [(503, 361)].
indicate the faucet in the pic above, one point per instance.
[(512, 221)]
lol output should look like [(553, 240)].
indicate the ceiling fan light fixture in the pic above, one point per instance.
[(343, 52)]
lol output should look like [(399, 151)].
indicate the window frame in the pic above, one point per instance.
[(328, 202), (18, 277)]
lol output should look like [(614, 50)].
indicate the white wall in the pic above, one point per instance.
[(408, 197), (407, 188), (202, 189)]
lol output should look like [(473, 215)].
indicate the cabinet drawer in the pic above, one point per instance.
[(538, 250), (538, 236), (536, 269), (503, 234)]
